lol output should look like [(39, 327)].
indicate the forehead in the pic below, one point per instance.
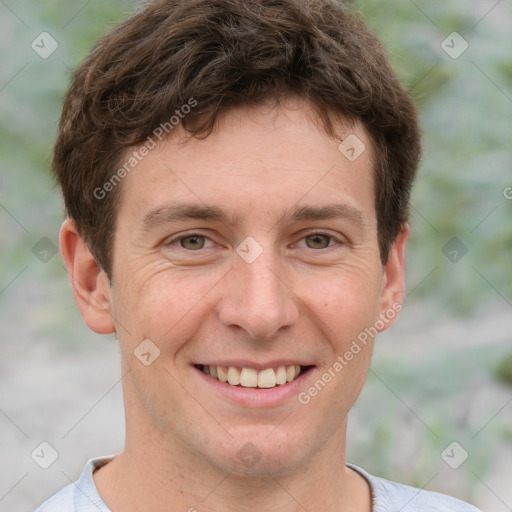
[(255, 160)]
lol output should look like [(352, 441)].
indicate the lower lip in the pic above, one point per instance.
[(256, 397)]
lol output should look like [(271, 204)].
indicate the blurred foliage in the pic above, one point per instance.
[(439, 401), (465, 107), (503, 369)]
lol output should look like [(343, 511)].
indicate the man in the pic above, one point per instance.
[(236, 176)]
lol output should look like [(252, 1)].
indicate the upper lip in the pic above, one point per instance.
[(244, 363)]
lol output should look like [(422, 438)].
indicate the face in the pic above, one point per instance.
[(247, 256)]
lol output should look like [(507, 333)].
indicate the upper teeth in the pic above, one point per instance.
[(252, 378)]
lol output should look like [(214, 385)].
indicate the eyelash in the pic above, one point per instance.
[(188, 235)]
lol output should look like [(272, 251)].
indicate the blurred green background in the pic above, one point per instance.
[(440, 375)]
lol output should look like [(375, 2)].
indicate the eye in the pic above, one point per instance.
[(196, 241), (191, 242), (318, 241)]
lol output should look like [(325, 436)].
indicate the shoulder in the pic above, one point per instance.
[(79, 496), (63, 501), (390, 496)]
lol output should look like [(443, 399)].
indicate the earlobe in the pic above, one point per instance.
[(393, 281), (89, 282)]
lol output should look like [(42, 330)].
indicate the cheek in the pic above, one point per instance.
[(346, 302), (347, 309), (161, 306)]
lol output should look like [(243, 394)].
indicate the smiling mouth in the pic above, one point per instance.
[(252, 378)]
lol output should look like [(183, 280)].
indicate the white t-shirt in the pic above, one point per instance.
[(82, 495)]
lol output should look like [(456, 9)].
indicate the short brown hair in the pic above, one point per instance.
[(226, 53)]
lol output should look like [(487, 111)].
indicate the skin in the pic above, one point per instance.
[(303, 297)]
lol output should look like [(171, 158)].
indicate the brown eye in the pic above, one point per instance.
[(192, 242), (317, 241)]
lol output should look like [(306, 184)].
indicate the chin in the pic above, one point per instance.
[(262, 451)]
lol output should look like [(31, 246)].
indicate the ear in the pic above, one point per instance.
[(393, 280), (89, 282)]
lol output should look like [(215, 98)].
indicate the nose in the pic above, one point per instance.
[(257, 298)]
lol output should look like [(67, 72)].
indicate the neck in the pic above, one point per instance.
[(180, 465), (153, 472)]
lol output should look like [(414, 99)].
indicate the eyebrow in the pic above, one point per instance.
[(185, 211)]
